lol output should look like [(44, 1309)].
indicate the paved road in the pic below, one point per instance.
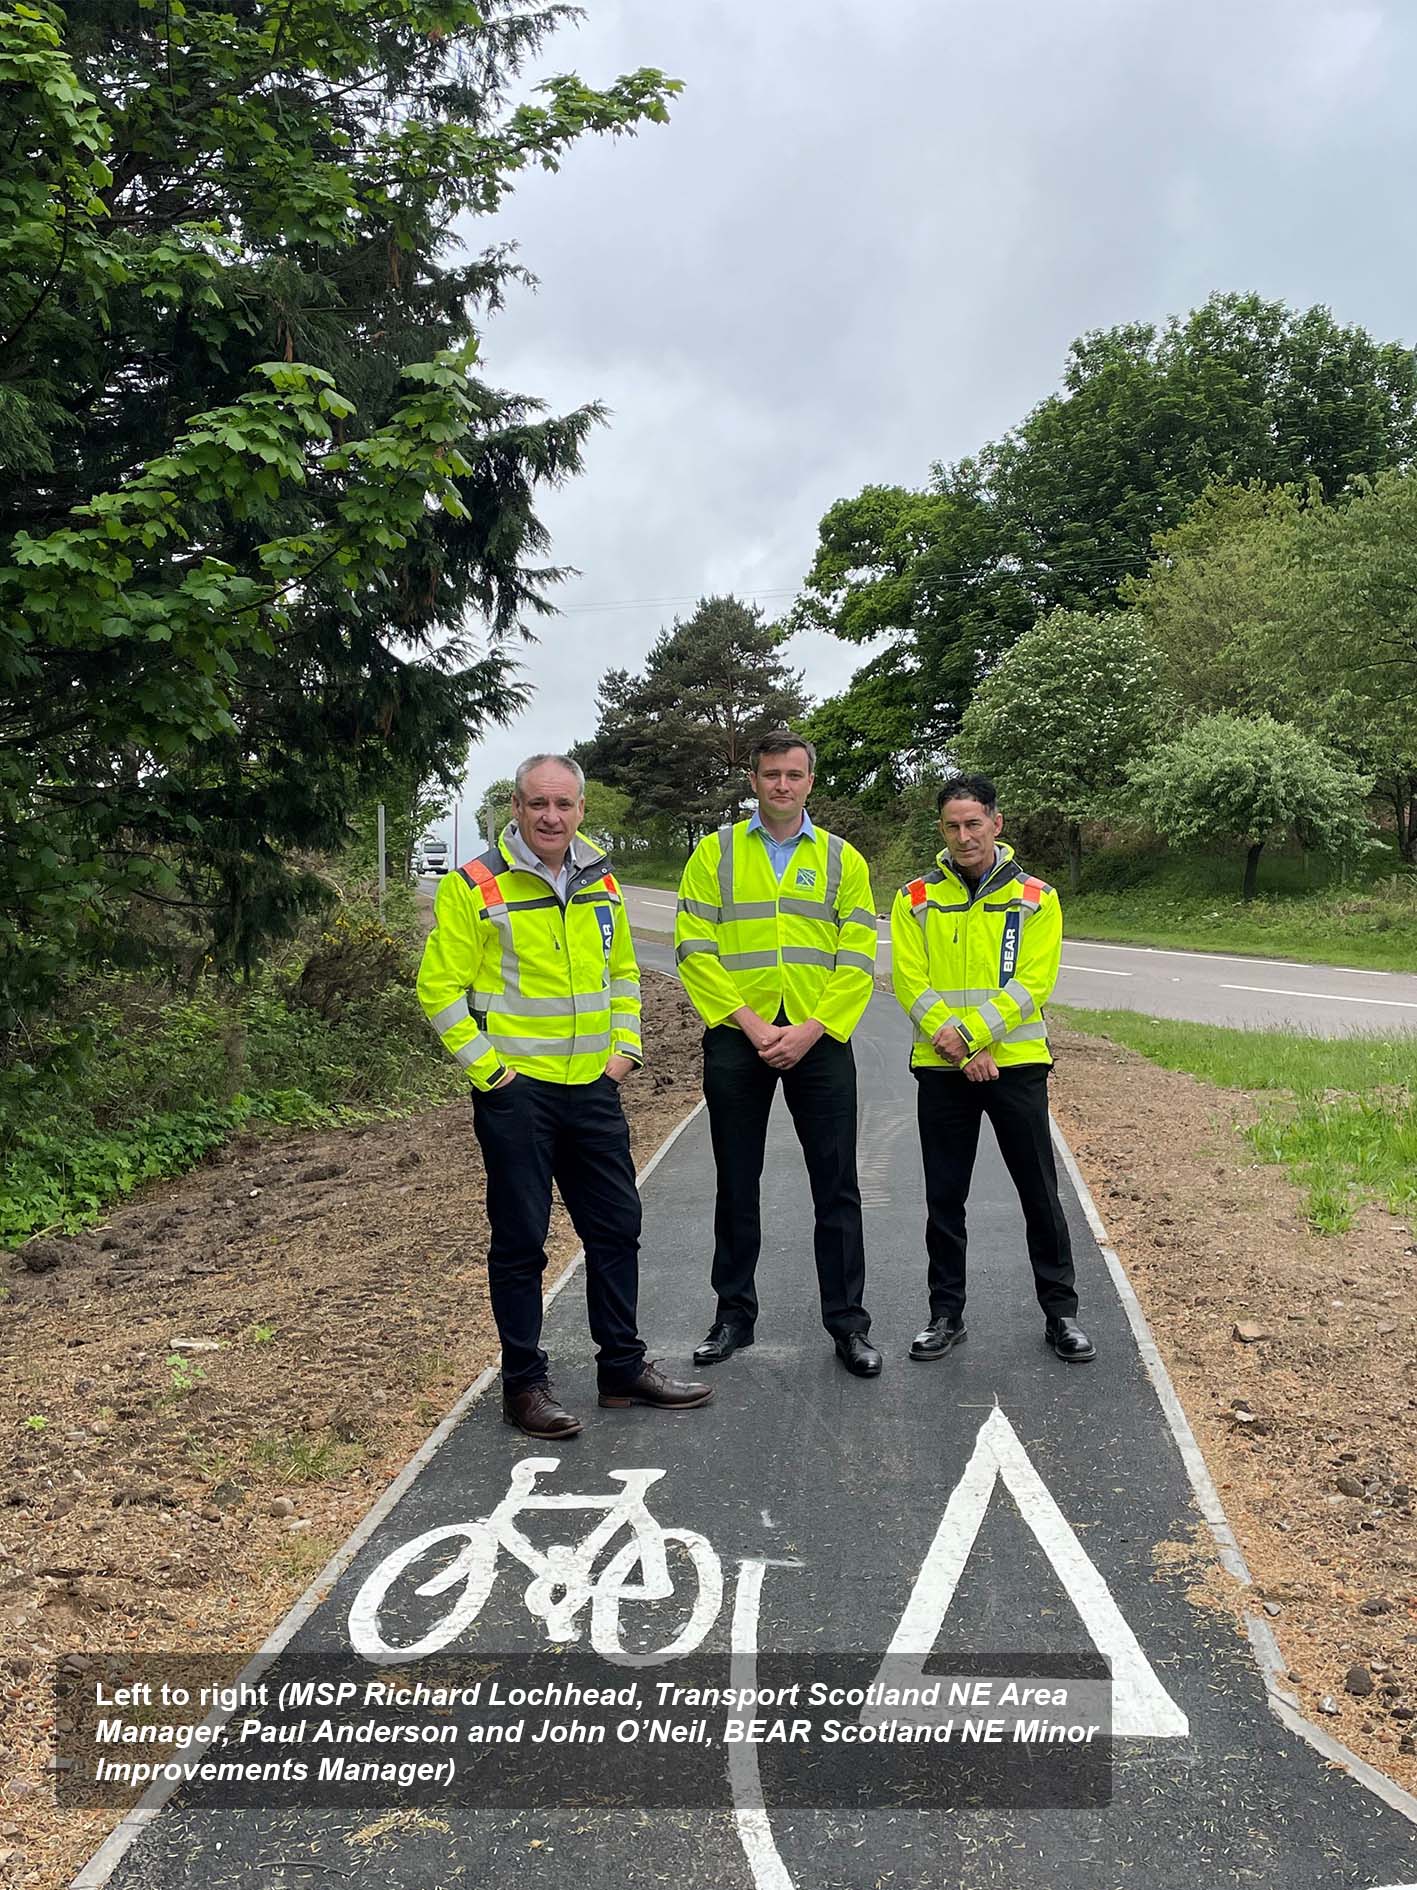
[(1204, 987), (836, 1507)]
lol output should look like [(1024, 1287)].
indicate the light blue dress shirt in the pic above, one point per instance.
[(780, 851)]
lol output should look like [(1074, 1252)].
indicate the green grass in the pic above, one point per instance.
[(1344, 1120), (1374, 930), (664, 874), (132, 1083), (1307, 908)]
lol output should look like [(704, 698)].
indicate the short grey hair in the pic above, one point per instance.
[(561, 761)]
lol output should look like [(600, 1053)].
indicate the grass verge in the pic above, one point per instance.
[(132, 1082), (1375, 930), (1344, 1115)]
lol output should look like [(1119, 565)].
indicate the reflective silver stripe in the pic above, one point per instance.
[(923, 1005), (513, 1001), (700, 909), (1026, 1033), (473, 1050), (725, 865), (854, 961), (836, 847), (994, 1018), (807, 909), (757, 961), (450, 1014), (581, 1044), (1021, 996), (624, 987), (803, 955), (858, 916), (681, 952), (751, 909), (572, 1004)]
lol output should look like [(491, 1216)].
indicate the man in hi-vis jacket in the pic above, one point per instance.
[(529, 977), (776, 944), (975, 944)]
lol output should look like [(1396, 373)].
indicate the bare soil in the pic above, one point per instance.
[(1309, 1430), (183, 1501)]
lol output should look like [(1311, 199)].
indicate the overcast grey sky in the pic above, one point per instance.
[(865, 241)]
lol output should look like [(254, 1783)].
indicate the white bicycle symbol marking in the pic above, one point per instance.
[(562, 1584)]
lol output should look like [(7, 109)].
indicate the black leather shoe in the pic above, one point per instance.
[(939, 1336), (652, 1387), (724, 1339), (536, 1410), (1069, 1341), (858, 1355)]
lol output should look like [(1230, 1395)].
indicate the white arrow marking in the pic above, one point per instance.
[(1141, 1706)]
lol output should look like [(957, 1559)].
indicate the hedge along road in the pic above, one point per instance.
[(1198, 987), (993, 1515)]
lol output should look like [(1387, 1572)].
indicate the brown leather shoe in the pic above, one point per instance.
[(536, 1410), (652, 1387)]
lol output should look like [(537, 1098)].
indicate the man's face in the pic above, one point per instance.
[(782, 784), (970, 831), (549, 807)]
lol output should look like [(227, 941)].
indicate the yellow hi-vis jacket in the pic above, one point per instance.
[(513, 980), (806, 945), (985, 961)]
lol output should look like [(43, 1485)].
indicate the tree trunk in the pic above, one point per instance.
[(1407, 821), (1252, 867), (1074, 855)]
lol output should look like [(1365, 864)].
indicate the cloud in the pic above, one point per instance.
[(866, 239)]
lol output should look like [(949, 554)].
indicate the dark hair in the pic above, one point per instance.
[(969, 787), (778, 743)]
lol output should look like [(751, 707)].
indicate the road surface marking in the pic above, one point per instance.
[(754, 1829), (1327, 997), (1098, 971), (666, 905), (1141, 1706), (566, 1578)]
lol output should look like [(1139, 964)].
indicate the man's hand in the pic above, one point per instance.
[(762, 1036), (618, 1068), (982, 1069), (792, 1044), (950, 1044)]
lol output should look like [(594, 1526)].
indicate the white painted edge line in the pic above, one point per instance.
[(1283, 1704), (1326, 997), (106, 1858), (1097, 971), (1234, 958)]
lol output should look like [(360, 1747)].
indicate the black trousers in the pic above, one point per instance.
[(950, 1109), (575, 1134), (821, 1095)]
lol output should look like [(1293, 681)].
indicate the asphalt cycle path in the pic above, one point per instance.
[(1196, 987), (994, 1513)]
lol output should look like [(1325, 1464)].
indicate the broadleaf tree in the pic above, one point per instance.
[(266, 534), (1250, 778), (1060, 719), (1063, 509)]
